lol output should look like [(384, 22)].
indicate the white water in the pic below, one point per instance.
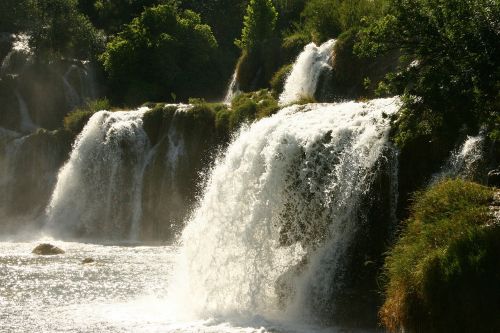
[(98, 191), (287, 189), (463, 161), (306, 71), (27, 125), (233, 89)]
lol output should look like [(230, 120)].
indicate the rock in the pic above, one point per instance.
[(494, 178), (47, 250), (88, 261)]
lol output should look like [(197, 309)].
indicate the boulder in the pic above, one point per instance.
[(494, 178), (88, 261), (47, 250)]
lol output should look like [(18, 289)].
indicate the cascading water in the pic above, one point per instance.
[(306, 71), (19, 54), (27, 124), (464, 161), (233, 89), (72, 97), (279, 211), (98, 192)]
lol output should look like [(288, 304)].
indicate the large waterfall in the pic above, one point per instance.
[(302, 81), (98, 190), (281, 207)]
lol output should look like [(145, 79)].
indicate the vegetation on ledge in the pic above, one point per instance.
[(443, 273)]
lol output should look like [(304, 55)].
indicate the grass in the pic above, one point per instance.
[(443, 274)]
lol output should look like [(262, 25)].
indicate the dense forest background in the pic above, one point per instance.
[(441, 56)]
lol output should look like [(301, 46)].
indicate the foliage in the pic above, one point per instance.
[(251, 106), (160, 53), (56, 27), (443, 273), (326, 19), (450, 66), (15, 15), (111, 16), (76, 120), (259, 25)]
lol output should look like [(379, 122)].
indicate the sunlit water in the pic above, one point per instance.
[(125, 290)]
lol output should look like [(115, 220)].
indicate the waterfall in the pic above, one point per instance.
[(279, 211), (27, 124), (20, 53), (463, 161), (98, 191), (233, 89), (72, 97), (303, 79)]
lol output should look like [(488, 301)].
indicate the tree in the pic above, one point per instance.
[(450, 66), (160, 53), (259, 24)]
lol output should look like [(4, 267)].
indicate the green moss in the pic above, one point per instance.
[(157, 120), (278, 80), (443, 273), (252, 106)]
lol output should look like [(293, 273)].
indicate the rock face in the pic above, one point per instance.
[(47, 250)]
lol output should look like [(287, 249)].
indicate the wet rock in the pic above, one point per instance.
[(47, 250), (88, 261), (494, 178)]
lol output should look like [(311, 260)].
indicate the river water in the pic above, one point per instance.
[(125, 290)]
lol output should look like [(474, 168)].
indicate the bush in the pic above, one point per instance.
[(76, 120), (443, 273)]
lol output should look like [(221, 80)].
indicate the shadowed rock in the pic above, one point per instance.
[(47, 250)]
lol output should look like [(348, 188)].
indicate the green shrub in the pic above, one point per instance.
[(443, 273), (76, 120)]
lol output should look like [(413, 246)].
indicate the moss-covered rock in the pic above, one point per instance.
[(443, 273)]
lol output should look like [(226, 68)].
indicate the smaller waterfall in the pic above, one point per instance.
[(233, 89), (72, 97), (20, 48), (98, 191), (464, 161), (306, 71), (27, 124)]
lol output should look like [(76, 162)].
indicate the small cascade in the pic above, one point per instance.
[(233, 89), (280, 210), (27, 124), (306, 71), (72, 97), (88, 81), (98, 191), (19, 55), (9, 158), (464, 161)]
